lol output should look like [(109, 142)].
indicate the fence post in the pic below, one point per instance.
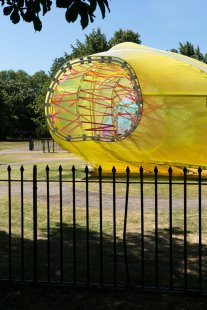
[(48, 222), (114, 223), (142, 225), (61, 224), (9, 205), (22, 222), (87, 230), (125, 225), (156, 230), (185, 228), (200, 228), (74, 227), (170, 226), (43, 146), (48, 145), (101, 225), (31, 144), (35, 222)]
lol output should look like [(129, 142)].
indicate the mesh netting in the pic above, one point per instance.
[(95, 98)]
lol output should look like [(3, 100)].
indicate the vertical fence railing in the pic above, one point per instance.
[(101, 225), (185, 229), (61, 223), (22, 222), (156, 228), (74, 227), (200, 228), (35, 223), (87, 230), (9, 204), (114, 224), (125, 226), (142, 228), (170, 228), (48, 221), (156, 251)]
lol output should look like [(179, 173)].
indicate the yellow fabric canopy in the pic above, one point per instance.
[(131, 106)]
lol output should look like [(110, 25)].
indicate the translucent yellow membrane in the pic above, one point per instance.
[(94, 99), (131, 106)]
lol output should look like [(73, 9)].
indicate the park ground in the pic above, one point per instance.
[(18, 296)]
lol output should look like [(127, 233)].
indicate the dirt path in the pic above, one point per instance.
[(134, 202)]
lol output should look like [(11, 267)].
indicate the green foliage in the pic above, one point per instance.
[(41, 83), (6, 108), (19, 110), (95, 42), (124, 36), (29, 11), (173, 50), (205, 58), (58, 63), (188, 49), (197, 54), (17, 97)]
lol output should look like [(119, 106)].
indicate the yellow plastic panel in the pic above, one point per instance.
[(131, 106)]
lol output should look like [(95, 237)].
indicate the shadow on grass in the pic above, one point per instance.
[(77, 268)]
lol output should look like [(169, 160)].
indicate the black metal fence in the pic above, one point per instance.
[(46, 145), (74, 227)]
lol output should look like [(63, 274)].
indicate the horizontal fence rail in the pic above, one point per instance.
[(79, 228)]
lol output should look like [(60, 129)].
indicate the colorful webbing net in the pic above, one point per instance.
[(95, 98)]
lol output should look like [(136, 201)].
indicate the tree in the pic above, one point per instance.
[(186, 49), (205, 58), (124, 36), (189, 50), (17, 97), (57, 63), (198, 55), (6, 110), (40, 81), (21, 110), (95, 42), (37, 80), (29, 10), (174, 50)]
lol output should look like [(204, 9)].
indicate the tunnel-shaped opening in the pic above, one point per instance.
[(94, 98)]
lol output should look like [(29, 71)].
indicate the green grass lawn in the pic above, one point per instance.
[(4, 145), (28, 159)]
